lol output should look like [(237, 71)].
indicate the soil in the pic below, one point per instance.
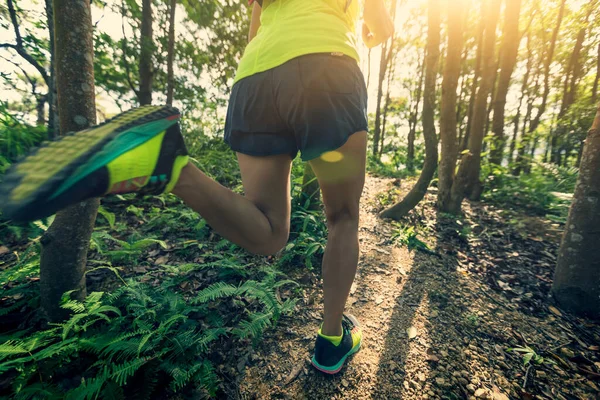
[(439, 323)]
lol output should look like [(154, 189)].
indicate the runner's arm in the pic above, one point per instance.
[(378, 25), (255, 21)]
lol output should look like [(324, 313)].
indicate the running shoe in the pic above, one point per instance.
[(330, 358), (140, 150)]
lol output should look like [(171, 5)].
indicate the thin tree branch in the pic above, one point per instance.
[(19, 46), (124, 49)]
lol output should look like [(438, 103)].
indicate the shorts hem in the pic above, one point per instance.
[(334, 147)]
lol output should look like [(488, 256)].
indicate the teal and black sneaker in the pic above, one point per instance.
[(140, 150), (330, 358)]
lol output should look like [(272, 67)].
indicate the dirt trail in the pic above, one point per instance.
[(450, 301)]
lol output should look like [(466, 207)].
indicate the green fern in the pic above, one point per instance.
[(215, 291)]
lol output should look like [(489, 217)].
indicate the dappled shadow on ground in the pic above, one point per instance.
[(439, 324)]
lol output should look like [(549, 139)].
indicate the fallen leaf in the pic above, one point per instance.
[(555, 311), (594, 348), (499, 349), (161, 260), (412, 332), (294, 373), (3, 250)]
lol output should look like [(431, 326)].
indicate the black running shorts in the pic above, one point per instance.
[(310, 104)]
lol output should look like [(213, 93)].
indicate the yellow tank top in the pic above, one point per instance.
[(292, 28)]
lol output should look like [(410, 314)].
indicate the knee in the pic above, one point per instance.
[(272, 245), (346, 215)]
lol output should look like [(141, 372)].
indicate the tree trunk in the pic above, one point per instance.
[(577, 277), (171, 53), (382, 70), (467, 181), (65, 244), (597, 80), (310, 188), (448, 117), (384, 63), (51, 97), (474, 85), (510, 49), (517, 120), (40, 109), (146, 52), (431, 157), (548, 62), (412, 123)]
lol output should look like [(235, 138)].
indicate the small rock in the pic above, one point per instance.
[(345, 383), (422, 377), (444, 353), (567, 352), (464, 373), (471, 388), (541, 374), (440, 381), (463, 381), (481, 393), (434, 314), (431, 393)]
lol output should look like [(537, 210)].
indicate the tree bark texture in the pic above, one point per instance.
[(510, 49), (171, 53), (431, 155), (577, 277), (448, 117), (467, 181), (146, 53), (65, 244)]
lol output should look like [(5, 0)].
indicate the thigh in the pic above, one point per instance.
[(266, 182), (341, 175)]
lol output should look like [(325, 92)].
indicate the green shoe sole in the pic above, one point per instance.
[(36, 186)]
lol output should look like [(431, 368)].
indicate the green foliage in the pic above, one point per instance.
[(138, 336), (16, 137), (538, 192), (406, 235), (528, 355)]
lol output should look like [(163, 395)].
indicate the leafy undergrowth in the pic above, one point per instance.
[(171, 304)]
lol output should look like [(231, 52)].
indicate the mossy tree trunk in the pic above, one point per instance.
[(65, 244), (577, 277)]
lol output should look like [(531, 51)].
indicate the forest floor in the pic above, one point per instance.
[(439, 322)]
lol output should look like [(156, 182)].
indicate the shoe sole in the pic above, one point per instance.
[(352, 351), (30, 183)]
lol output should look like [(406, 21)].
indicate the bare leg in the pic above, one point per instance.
[(258, 221), (341, 175)]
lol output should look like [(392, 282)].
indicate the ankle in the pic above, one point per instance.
[(184, 178), (333, 330)]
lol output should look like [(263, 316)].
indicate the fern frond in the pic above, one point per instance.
[(215, 291), (254, 327), (12, 348)]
